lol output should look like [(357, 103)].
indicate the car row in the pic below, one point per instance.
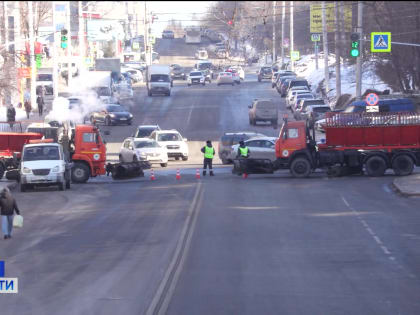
[(150, 143)]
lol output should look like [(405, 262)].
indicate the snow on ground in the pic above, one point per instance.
[(306, 67)]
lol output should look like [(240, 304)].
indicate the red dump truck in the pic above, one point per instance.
[(355, 143)]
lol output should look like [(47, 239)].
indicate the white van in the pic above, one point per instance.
[(44, 164), (159, 80)]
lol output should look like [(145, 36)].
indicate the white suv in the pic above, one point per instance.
[(196, 77), (176, 145)]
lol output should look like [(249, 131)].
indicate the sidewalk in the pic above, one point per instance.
[(408, 185)]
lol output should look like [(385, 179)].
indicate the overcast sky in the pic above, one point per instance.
[(177, 10)]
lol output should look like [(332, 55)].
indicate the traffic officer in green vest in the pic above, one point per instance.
[(209, 153), (243, 150)]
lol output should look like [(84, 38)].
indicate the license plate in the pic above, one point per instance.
[(123, 118)]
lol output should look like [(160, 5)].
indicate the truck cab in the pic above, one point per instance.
[(88, 152), (292, 140)]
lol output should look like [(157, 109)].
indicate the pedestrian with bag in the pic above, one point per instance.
[(7, 207), (209, 153), (11, 115), (40, 103)]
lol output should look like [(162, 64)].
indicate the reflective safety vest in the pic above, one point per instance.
[(208, 152), (244, 151)]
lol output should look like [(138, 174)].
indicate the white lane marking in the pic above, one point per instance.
[(368, 229), (189, 115), (377, 240)]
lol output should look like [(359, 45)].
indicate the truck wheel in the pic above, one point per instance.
[(22, 187), (80, 173), (375, 166), (300, 167), (403, 165), (163, 164), (2, 170), (185, 158)]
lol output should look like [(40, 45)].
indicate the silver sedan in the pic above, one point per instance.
[(225, 78)]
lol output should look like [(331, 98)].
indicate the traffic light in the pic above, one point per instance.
[(63, 38), (355, 45)]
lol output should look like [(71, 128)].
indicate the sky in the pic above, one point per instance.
[(177, 10)]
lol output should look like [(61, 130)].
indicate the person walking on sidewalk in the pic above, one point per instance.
[(7, 207), (40, 102), (11, 115), (28, 108), (209, 153)]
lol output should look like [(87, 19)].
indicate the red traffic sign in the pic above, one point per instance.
[(372, 99)]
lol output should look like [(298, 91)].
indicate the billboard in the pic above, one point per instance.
[(316, 17)]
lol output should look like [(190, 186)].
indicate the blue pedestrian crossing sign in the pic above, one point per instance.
[(380, 42)]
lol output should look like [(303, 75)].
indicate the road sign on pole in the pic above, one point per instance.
[(380, 42), (372, 100), (315, 37), (294, 55)]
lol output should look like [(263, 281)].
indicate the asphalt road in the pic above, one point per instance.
[(268, 244)]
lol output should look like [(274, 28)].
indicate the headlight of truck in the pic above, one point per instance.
[(56, 169), (26, 170)]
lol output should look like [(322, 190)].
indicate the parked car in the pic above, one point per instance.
[(177, 72), (173, 141), (225, 78), (143, 149), (230, 138), (113, 114), (281, 81), (196, 77), (144, 131), (282, 87), (309, 102), (299, 97), (259, 147), (168, 34), (297, 82), (264, 73), (312, 112), (263, 110), (292, 93)]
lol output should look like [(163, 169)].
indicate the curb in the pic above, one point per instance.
[(402, 192)]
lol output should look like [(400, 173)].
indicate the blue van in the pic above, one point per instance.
[(386, 105)]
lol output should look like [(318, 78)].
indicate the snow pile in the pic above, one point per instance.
[(306, 67)]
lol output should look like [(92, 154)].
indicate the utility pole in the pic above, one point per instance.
[(82, 49), (291, 36), (274, 32), (325, 42), (337, 51), (55, 53), (359, 59), (283, 15), (32, 52), (146, 60), (69, 50)]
